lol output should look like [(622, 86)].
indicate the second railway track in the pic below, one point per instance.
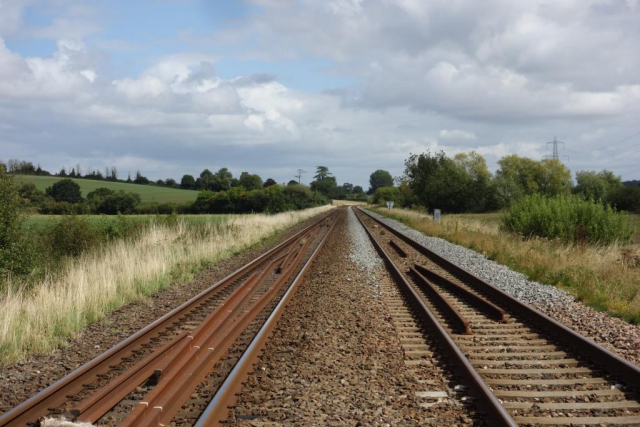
[(523, 367), (190, 361)]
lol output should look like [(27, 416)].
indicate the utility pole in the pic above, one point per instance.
[(299, 174), (556, 155)]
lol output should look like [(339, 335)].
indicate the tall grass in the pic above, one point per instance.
[(87, 288), (568, 218), (605, 277)]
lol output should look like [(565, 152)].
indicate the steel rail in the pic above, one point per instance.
[(218, 409), (441, 301), (496, 414), (56, 394), (160, 406), (609, 361), (476, 300)]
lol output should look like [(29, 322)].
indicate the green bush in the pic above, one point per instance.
[(72, 236), (384, 194), (65, 190), (15, 256), (119, 202), (568, 218)]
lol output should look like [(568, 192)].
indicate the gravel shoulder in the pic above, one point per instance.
[(613, 333), (22, 380)]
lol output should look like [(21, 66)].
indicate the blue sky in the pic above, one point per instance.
[(173, 86)]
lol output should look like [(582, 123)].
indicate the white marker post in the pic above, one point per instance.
[(389, 204), (436, 216)]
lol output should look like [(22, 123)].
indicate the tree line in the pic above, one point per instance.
[(463, 183)]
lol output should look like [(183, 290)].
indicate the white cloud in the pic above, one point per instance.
[(457, 135)]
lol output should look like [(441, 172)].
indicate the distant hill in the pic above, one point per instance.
[(631, 183), (148, 193)]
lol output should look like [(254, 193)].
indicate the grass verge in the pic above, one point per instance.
[(605, 277), (87, 288)]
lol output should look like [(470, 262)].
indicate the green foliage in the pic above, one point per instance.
[(385, 194), (328, 187), (14, 256), (51, 207), (188, 182), (72, 236), (596, 185), (118, 202), (568, 218), (379, 179), (453, 185), (549, 176), (272, 199), (99, 194), (626, 198), (249, 181), (322, 173), (65, 190)]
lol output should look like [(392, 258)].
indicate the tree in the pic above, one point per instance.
[(13, 257), (322, 173), (358, 190), (292, 182), (160, 183), (129, 181), (269, 182), (65, 190), (385, 194), (188, 182), (556, 178), (249, 181), (119, 202), (327, 187), (99, 194), (596, 185), (379, 179), (140, 179), (347, 187), (170, 182), (62, 172)]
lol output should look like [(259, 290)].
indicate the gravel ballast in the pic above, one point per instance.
[(335, 357), (613, 333)]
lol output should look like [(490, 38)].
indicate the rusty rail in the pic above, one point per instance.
[(56, 394), (441, 301), (218, 409), (476, 300)]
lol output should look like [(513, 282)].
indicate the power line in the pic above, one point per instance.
[(622, 158)]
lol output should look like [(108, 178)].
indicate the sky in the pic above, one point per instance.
[(171, 87)]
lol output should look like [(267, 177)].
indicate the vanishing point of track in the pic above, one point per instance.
[(522, 367), (189, 363)]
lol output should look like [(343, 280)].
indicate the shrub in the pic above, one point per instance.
[(14, 256), (100, 194), (119, 202), (626, 198), (568, 218), (384, 194), (65, 190), (72, 236)]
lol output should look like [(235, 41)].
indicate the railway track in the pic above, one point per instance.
[(188, 364), (522, 367)]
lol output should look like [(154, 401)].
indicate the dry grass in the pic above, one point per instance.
[(604, 277), (347, 203), (89, 287)]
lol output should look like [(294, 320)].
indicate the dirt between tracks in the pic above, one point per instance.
[(22, 380), (335, 357)]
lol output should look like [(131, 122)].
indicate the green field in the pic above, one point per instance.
[(44, 221), (148, 193)]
